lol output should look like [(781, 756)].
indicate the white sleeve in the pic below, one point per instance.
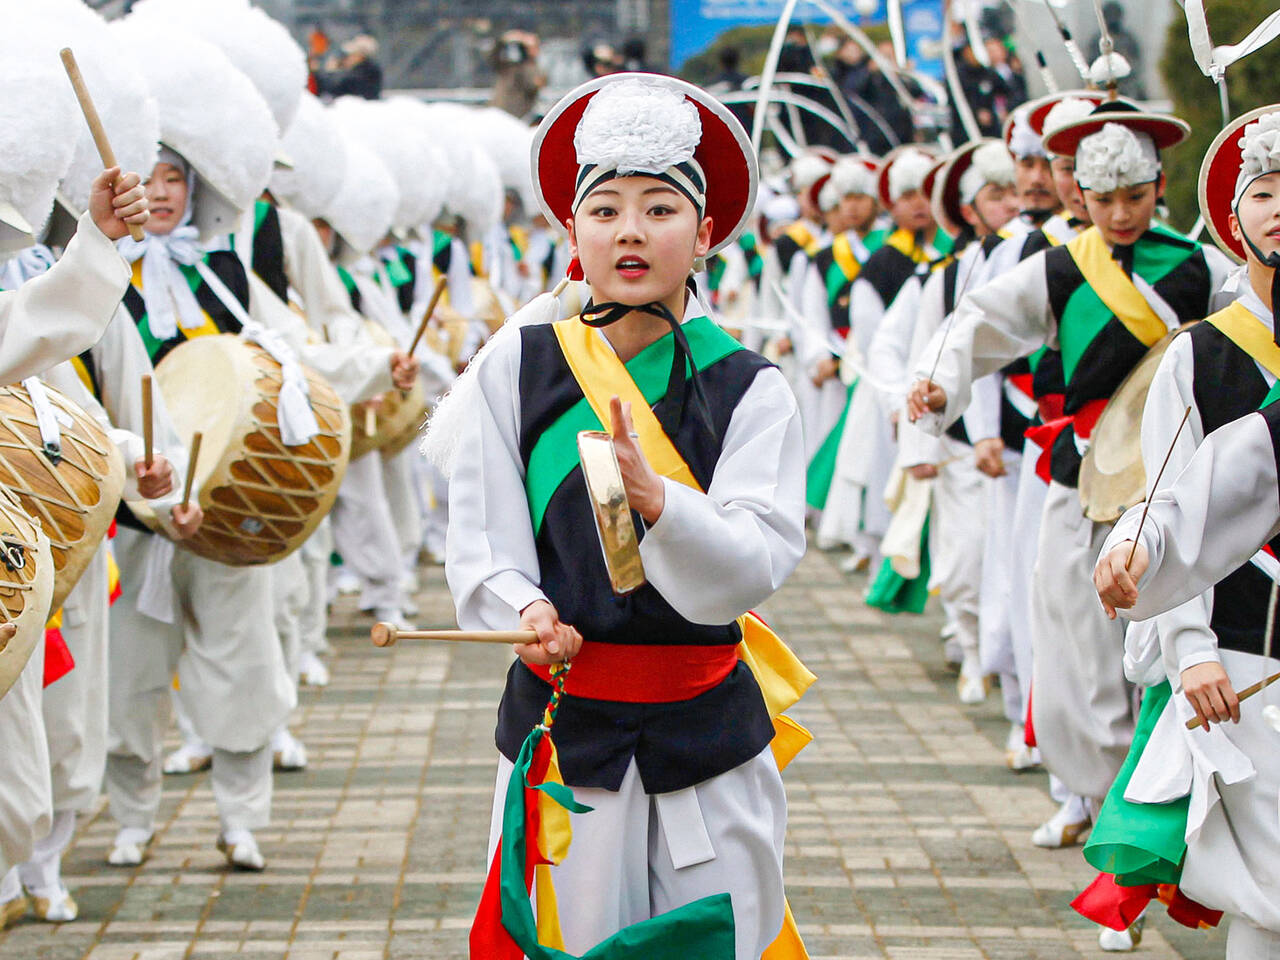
[(814, 341), (1008, 318), (982, 416), (715, 555), (63, 312), (866, 310), (492, 560), (1219, 511), (354, 374), (889, 352), (1185, 636)]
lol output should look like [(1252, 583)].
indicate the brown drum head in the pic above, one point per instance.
[(26, 582), (1112, 477)]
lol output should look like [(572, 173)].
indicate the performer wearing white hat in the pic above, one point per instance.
[(173, 614), (1216, 644), (973, 195), (1123, 306), (687, 800)]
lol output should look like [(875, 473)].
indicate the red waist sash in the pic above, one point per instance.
[(645, 673), (1045, 434)]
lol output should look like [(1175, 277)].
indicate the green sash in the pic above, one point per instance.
[(1103, 297)]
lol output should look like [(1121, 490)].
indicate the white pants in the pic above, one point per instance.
[(75, 707), (856, 513), (621, 867), (290, 594), (1245, 942), (364, 532), (25, 789), (1082, 709), (42, 874), (1027, 513), (314, 555), (957, 528), (435, 520), (995, 635), (400, 479), (233, 684)]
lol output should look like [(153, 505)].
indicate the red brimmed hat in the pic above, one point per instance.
[(1219, 174), (892, 157), (1036, 111), (944, 184), (1164, 130), (723, 152)]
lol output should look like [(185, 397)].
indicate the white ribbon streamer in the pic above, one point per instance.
[(46, 416), (156, 597), (1213, 61), (164, 285), (294, 415)]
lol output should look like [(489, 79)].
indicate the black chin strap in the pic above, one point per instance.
[(683, 381), (1271, 260)]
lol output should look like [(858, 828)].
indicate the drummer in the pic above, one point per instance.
[(1082, 297), (173, 614), (1221, 370), (77, 295)]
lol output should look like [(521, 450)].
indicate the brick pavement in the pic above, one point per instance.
[(908, 838)]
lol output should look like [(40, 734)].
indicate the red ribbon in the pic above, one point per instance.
[(1045, 435)]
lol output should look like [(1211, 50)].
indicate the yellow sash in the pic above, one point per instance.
[(803, 237), (1114, 288), (1241, 327), (782, 678), (842, 253)]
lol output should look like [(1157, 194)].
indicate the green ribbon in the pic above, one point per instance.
[(893, 593), (702, 929), (822, 468)]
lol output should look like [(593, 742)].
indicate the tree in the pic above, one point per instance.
[(1251, 82)]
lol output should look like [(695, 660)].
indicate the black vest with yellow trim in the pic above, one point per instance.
[(797, 238), (1227, 385), (1098, 349), (675, 745)]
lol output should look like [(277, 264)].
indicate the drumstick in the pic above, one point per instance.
[(436, 294), (95, 123), (1243, 695), (191, 467), (147, 429), (1156, 486), (370, 421), (386, 634)]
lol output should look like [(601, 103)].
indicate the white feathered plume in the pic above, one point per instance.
[(1116, 157), (638, 126), (318, 152), (365, 204)]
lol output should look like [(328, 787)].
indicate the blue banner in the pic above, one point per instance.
[(696, 24)]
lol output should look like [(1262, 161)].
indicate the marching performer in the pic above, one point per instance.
[(855, 511), (1103, 299), (1215, 644), (173, 614), (43, 322), (647, 173), (973, 193)]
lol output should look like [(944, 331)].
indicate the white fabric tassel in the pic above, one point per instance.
[(156, 596), (297, 420), (46, 416), (164, 286)]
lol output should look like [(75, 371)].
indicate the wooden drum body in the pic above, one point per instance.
[(399, 417), (26, 587), (261, 499), (73, 494)]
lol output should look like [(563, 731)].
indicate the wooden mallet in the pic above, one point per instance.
[(95, 122), (148, 430), (436, 294), (1242, 696), (386, 634), (191, 467)]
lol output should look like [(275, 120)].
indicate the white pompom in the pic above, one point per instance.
[(1116, 157), (1108, 68), (638, 126), (1272, 715)]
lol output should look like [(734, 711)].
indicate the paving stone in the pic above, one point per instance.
[(908, 837)]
